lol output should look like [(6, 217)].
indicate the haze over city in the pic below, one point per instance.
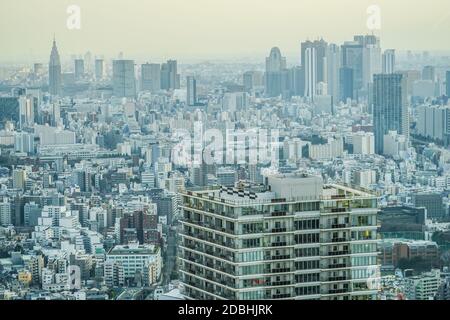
[(217, 29)]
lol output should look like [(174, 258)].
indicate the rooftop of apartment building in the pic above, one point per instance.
[(280, 188)]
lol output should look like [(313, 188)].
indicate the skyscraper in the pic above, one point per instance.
[(390, 107), (124, 82), (352, 57), (151, 77), (99, 69), (333, 66), (54, 71), (310, 68), (191, 91), (275, 67), (389, 61), (320, 54), (447, 83), (346, 83), (79, 69), (170, 79), (429, 73)]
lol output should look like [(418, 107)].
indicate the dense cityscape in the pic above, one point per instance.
[(321, 178)]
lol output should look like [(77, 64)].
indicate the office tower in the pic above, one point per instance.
[(429, 73), (191, 91), (124, 82), (447, 83), (170, 79), (389, 61), (352, 57), (295, 239), (310, 68), (346, 82), (319, 56), (150, 77), (275, 67), (54, 72), (79, 69), (26, 106), (372, 64), (333, 59), (99, 69), (390, 108)]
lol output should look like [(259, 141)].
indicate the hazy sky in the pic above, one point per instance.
[(200, 29)]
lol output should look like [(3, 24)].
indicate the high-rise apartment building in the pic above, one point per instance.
[(295, 238)]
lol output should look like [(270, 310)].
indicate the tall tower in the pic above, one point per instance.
[(275, 71), (54, 71), (124, 82), (191, 91), (389, 61), (390, 107), (310, 68)]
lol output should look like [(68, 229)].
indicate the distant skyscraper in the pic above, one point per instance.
[(390, 107), (346, 82), (124, 82), (170, 79), (352, 57), (99, 69), (389, 61), (310, 68), (320, 54), (54, 71), (191, 91), (333, 60), (79, 69), (275, 69), (151, 77), (429, 73), (447, 82)]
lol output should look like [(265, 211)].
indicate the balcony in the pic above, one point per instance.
[(338, 253), (333, 279), (337, 291), (334, 240), (278, 230), (279, 213), (278, 244), (339, 226), (337, 266)]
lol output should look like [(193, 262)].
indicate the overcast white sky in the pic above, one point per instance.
[(189, 29)]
